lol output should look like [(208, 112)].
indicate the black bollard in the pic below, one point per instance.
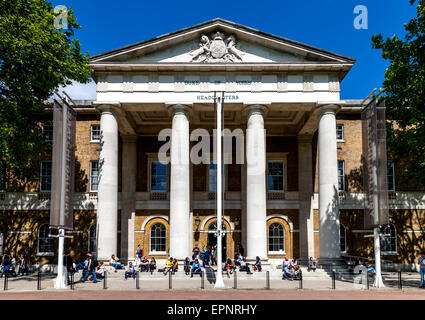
[(137, 280), (72, 280), (367, 281), (267, 279), (301, 281), (400, 285), (333, 280), (39, 281), (5, 282), (170, 280), (202, 280), (105, 281), (235, 278)]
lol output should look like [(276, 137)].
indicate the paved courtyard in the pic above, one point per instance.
[(157, 286)]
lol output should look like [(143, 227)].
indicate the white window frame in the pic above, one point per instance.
[(393, 252), (343, 175), (392, 165), (157, 253), (154, 158), (225, 167), (342, 130), (88, 232), (41, 176), (91, 166), (345, 237), (91, 133), (46, 254), (280, 252)]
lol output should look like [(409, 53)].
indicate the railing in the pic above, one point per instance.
[(275, 196), (158, 196)]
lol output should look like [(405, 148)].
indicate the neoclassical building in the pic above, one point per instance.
[(284, 96)]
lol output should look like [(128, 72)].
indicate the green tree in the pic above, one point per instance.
[(405, 95), (36, 58)]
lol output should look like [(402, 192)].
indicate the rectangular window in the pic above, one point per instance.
[(275, 175), (390, 176), (46, 176), (158, 177), (95, 132), (341, 181), (212, 179), (339, 132), (47, 132), (94, 175)]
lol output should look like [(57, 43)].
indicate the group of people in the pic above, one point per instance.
[(290, 269), (8, 265)]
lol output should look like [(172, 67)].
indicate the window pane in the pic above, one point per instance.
[(158, 237), (390, 176), (341, 181), (158, 176), (94, 175), (46, 176), (95, 132), (340, 132), (276, 237), (212, 177), (45, 243), (275, 176)]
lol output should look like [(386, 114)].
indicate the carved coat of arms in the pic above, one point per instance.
[(217, 49)]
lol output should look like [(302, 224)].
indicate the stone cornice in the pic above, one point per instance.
[(256, 67)]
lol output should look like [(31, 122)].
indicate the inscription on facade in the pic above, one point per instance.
[(211, 97)]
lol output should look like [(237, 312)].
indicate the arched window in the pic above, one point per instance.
[(1, 243), (389, 239), (92, 238), (343, 237), (45, 243), (158, 238), (276, 237)]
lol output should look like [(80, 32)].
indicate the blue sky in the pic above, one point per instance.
[(326, 24)]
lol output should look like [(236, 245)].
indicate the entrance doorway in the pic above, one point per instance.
[(212, 239)]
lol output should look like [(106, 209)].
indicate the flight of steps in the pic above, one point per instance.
[(274, 274)]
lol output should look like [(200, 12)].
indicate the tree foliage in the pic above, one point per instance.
[(35, 59), (405, 94)]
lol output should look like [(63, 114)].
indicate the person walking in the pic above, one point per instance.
[(68, 264), (91, 268), (23, 267), (422, 268), (139, 254)]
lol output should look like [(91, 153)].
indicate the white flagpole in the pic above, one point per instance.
[(60, 279), (219, 278)]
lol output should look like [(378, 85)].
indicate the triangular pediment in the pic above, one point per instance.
[(219, 42)]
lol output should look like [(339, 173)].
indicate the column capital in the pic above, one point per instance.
[(328, 107), (260, 107), (103, 106), (179, 107), (129, 138)]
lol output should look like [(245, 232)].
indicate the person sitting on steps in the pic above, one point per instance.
[(196, 267)]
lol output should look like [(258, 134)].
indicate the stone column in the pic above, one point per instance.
[(107, 205), (328, 187), (128, 196), (256, 184), (305, 194), (180, 184)]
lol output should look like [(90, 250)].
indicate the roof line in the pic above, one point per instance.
[(230, 23)]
